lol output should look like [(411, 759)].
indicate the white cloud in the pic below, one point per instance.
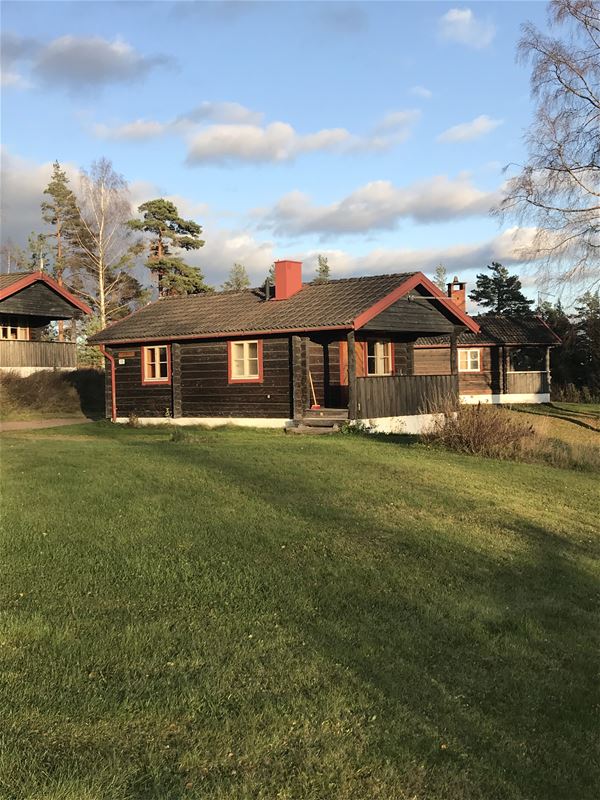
[(421, 91), (379, 205), (462, 26), (79, 62), (279, 141), (222, 111), (238, 135), (75, 62), (461, 259), (14, 80), (139, 130), (467, 131), (22, 184)]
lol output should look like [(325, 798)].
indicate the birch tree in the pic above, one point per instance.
[(558, 187), (106, 242)]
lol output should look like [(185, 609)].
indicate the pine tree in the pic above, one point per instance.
[(61, 211), (175, 277), (323, 270), (440, 277), (586, 324), (238, 279), (500, 292)]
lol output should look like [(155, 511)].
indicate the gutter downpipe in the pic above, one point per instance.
[(113, 388)]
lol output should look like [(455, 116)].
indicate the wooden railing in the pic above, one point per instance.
[(49, 355), (527, 383), (404, 395)]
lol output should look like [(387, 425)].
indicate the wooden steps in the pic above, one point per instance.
[(319, 421)]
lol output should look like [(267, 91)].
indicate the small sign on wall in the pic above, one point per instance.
[(126, 354)]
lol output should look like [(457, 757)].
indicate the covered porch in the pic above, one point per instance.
[(365, 375)]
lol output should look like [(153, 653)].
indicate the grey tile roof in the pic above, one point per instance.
[(8, 280), (496, 329), (316, 305)]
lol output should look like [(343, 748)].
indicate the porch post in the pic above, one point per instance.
[(352, 400), (297, 378), (454, 362), (307, 398), (454, 352), (501, 369), (548, 372), (176, 379)]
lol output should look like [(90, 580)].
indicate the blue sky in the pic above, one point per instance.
[(373, 132)]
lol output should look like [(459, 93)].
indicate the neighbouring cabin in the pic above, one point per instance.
[(313, 353), (29, 302), (508, 361)]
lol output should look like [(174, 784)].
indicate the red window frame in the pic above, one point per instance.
[(157, 381), (259, 354)]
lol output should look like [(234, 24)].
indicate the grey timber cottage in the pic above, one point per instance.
[(29, 301), (316, 353)]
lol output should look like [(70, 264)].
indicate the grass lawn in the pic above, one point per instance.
[(247, 615)]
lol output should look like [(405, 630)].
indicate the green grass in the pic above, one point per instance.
[(591, 409), (246, 615)]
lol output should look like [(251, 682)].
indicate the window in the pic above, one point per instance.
[(469, 360), (379, 358), (527, 359), (156, 365), (245, 361), (10, 330)]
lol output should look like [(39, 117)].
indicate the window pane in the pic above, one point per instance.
[(238, 367), (252, 349)]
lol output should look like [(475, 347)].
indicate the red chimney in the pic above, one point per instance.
[(457, 291), (288, 279)]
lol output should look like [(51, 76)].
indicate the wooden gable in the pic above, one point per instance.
[(413, 313), (38, 300)]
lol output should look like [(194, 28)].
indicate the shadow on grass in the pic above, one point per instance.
[(480, 663)]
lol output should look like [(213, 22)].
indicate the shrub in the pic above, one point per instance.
[(52, 392), (480, 430), (569, 393)]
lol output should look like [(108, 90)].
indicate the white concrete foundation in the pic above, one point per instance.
[(213, 422), (497, 399), (413, 424)]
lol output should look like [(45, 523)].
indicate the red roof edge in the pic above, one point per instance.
[(545, 324), (33, 277), (415, 280)]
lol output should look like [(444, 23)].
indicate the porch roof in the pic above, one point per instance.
[(335, 304), (495, 329)]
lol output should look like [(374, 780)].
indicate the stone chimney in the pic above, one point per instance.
[(457, 291), (288, 279)]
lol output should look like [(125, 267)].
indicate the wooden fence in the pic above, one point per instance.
[(527, 383), (404, 395), (38, 354)]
